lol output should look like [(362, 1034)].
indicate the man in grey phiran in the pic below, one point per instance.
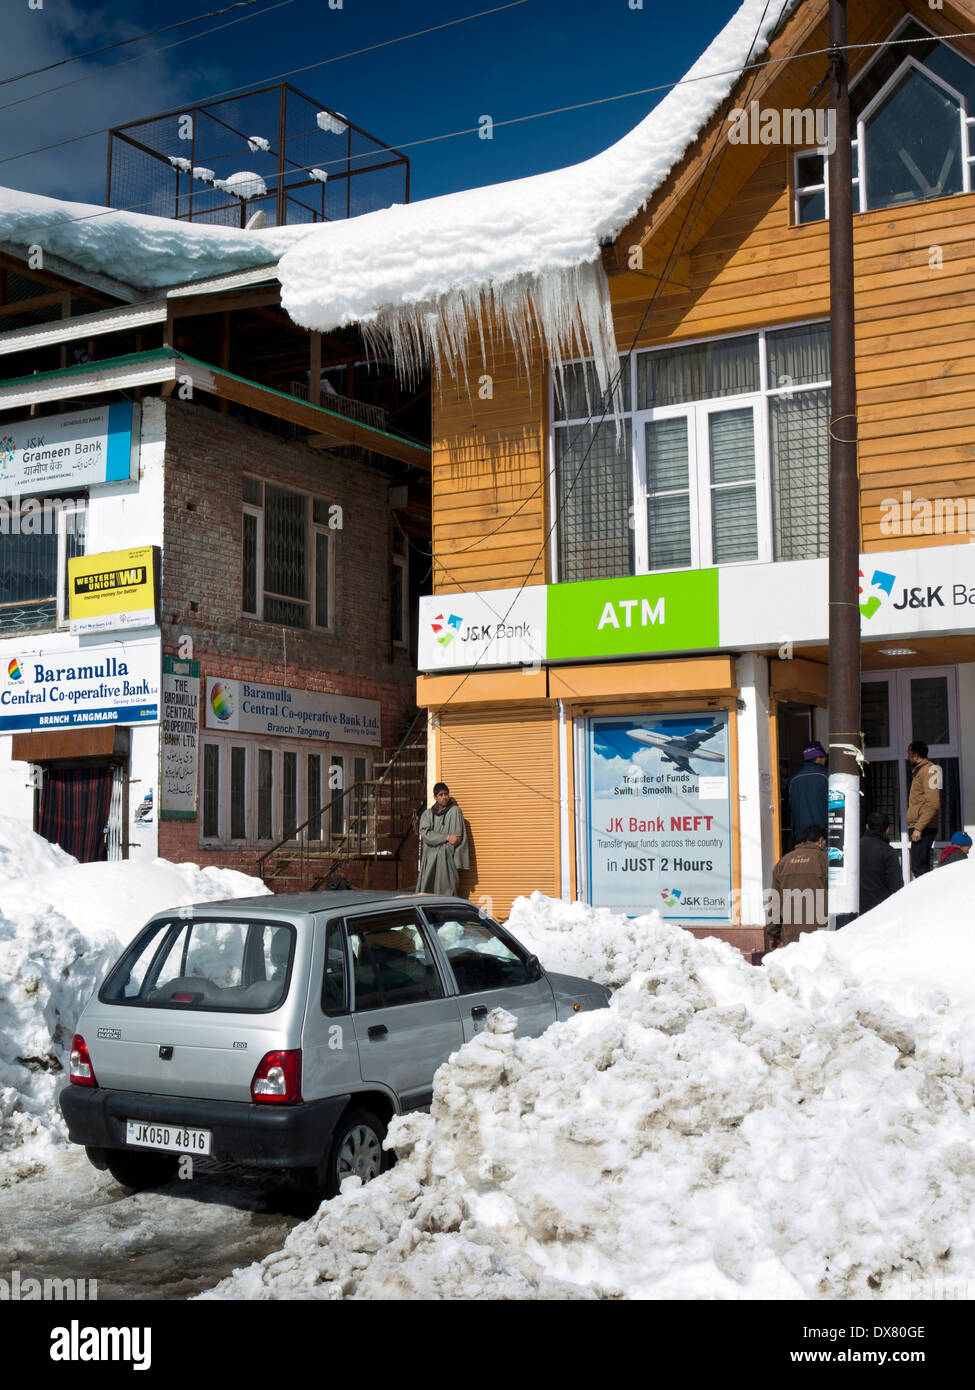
[(443, 844)]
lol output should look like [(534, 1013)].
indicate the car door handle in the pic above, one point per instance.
[(378, 1030), (479, 1011)]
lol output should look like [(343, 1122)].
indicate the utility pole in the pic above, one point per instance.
[(844, 503)]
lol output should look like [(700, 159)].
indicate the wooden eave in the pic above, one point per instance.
[(778, 83), (165, 366)]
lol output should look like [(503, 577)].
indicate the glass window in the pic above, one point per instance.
[(392, 962), (336, 785), (285, 557), (238, 793), (211, 790), (698, 372), (799, 447), (207, 965), (314, 796), (582, 396), (668, 493), (321, 578), (797, 356), (33, 559), (929, 710), (734, 518), (289, 780), (875, 714), (480, 957), (248, 597), (265, 793), (594, 486), (334, 992), (912, 144)]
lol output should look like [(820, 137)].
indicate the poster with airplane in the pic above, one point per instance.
[(659, 828)]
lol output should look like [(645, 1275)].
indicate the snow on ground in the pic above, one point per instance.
[(803, 1130), (62, 924), (593, 942)]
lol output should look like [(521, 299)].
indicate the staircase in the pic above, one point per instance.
[(366, 834)]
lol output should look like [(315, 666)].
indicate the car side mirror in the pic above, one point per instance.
[(533, 969)]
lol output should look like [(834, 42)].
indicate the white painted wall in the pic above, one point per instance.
[(120, 515), (754, 786)]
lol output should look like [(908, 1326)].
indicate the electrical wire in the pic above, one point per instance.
[(150, 53), (121, 43), (279, 77)]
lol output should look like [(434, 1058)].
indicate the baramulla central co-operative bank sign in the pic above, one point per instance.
[(250, 707), (80, 686), (59, 452)]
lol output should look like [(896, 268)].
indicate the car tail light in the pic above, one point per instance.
[(278, 1078), (80, 1069)]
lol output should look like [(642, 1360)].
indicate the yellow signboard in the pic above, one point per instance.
[(116, 589)]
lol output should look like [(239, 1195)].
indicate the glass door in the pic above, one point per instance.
[(902, 707)]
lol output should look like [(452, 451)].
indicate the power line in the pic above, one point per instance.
[(232, 91), (684, 231), (150, 53), (108, 47)]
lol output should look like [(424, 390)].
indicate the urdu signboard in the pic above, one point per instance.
[(53, 453)]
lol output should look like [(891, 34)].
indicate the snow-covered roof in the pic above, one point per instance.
[(415, 275), (350, 271), (147, 253)]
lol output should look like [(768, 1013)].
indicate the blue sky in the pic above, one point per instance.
[(542, 54)]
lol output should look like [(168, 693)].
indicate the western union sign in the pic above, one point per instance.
[(116, 589)]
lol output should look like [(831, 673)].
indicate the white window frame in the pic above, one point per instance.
[(312, 528), (254, 744), (74, 506), (859, 143), (698, 413)]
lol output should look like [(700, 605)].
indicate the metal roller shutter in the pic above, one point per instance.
[(502, 767)]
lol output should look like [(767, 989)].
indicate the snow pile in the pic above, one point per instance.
[(800, 1131), (595, 943), (428, 276), (62, 924), (243, 185), (318, 174), (256, 143), (178, 162)]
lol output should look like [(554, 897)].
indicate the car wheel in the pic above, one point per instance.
[(357, 1150), (140, 1170)]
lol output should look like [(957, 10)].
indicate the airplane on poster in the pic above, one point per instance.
[(679, 750)]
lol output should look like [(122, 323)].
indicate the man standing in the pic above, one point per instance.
[(443, 841), (808, 791), (923, 806), (880, 865), (799, 890)]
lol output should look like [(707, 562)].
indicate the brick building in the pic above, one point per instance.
[(246, 717)]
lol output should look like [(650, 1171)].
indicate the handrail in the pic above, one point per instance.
[(365, 790)]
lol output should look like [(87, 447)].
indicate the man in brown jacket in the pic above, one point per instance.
[(799, 890), (923, 807)]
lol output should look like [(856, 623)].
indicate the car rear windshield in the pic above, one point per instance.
[(222, 964)]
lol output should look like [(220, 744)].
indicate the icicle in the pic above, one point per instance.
[(568, 310)]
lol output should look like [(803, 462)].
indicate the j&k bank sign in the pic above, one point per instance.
[(925, 592)]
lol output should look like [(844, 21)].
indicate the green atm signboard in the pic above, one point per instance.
[(631, 617)]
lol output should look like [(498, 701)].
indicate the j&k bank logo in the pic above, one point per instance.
[(881, 588), (671, 896), (445, 629)]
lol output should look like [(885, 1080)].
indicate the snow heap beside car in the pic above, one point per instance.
[(62, 924), (804, 1130)]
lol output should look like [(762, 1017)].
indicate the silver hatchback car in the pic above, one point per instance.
[(286, 1031)]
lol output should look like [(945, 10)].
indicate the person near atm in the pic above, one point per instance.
[(880, 865), (923, 806), (808, 791)]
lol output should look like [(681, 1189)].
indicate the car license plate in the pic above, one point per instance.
[(144, 1134)]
